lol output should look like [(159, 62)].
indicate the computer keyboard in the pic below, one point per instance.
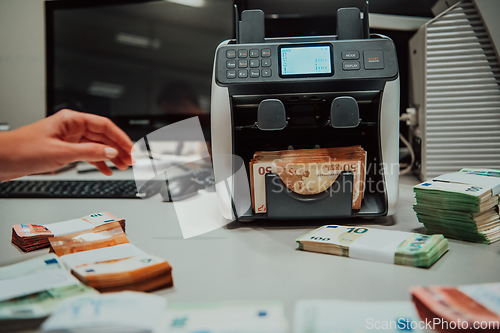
[(111, 189)]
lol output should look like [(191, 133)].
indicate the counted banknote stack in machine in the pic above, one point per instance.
[(104, 259), (29, 237), (461, 205), (395, 247), (307, 171)]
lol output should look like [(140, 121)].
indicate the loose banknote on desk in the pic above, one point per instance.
[(104, 259), (461, 205), (468, 308), (29, 237), (32, 289), (394, 247), (307, 171), (123, 312)]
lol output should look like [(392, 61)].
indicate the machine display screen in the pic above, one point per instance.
[(306, 60)]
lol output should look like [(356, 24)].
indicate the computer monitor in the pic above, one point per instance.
[(143, 64)]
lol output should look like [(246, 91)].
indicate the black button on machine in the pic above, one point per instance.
[(266, 52), (266, 72), (254, 63), (230, 64), (350, 55), (374, 59), (242, 53), (231, 74), (254, 53), (266, 62), (243, 63), (231, 54), (351, 65), (242, 73), (254, 73)]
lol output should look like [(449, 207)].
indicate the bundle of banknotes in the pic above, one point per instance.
[(307, 171), (29, 237), (469, 308), (104, 259), (395, 247), (461, 205), (32, 289)]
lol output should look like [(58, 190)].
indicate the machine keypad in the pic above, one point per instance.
[(259, 63), (243, 63), (242, 73), (351, 65), (350, 55), (374, 59), (266, 72), (254, 63)]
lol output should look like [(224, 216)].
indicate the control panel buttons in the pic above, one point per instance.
[(266, 72), (231, 74), (254, 53), (254, 63), (231, 54), (374, 59), (230, 64), (242, 73), (350, 55), (243, 63), (242, 53), (266, 62), (351, 65), (266, 53), (254, 73)]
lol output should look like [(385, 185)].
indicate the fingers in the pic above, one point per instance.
[(122, 160), (124, 157), (102, 167), (92, 125)]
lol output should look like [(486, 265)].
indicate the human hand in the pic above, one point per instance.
[(65, 137)]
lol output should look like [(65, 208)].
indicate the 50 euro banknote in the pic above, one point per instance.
[(306, 177)]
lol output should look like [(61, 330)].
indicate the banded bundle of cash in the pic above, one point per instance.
[(395, 247), (461, 205), (307, 171), (32, 289), (29, 237), (469, 308), (104, 259)]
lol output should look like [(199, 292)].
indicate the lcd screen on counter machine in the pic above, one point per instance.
[(306, 60)]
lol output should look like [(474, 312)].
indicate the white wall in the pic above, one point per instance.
[(22, 62)]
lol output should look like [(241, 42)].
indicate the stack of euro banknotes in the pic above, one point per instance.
[(104, 259), (469, 308), (394, 247), (30, 237), (32, 289), (461, 205), (307, 171)]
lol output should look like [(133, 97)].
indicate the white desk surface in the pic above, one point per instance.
[(259, 260)]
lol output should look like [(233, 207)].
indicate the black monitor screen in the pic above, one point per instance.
[(143, 64)]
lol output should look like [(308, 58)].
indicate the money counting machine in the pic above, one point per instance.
[(301, 93)]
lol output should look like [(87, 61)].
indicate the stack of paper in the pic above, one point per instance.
[(461, 205), (468, 308), (104, 259), (124, 312), (31, 237), (329, 316), (32, 289), (307, 171), (227, 317), (395, 247)]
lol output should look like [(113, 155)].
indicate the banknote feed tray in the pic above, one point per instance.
[(335, 202)]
